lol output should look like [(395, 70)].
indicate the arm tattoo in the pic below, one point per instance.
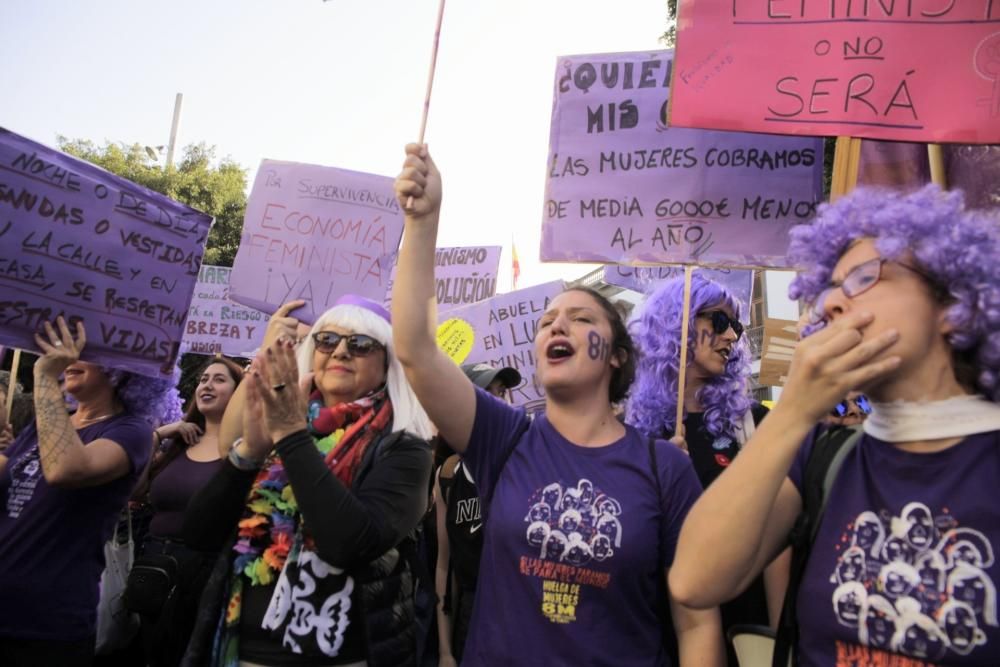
[(56, 435)]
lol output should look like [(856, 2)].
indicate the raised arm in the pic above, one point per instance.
[(742, 521), (65, 460), (439, 383)]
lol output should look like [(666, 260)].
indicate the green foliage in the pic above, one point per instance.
[(669, 36), (218, 190)]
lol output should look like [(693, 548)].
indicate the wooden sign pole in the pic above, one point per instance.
[(682, 374)]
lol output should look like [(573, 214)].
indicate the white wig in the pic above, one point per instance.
[(408, 414)]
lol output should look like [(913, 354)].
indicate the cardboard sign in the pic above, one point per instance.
[(919, 70), (780, 339), (501, 332), (647, 279), (216, 325), (462, 275), (88, 245), (622, 188), (315, 233)]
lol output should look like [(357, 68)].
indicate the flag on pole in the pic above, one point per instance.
[(515, 265)]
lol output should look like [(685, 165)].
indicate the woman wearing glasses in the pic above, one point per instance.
[(719, 416), (906, 296), (325, 483), (581, 510)]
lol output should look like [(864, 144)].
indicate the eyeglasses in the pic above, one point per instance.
[(840, 409), (721, 322), (358, 345), (859, 280)]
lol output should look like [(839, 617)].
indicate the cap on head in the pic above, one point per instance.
[(482, 375)]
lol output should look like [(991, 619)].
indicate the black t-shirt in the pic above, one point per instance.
[(712, 454), (464, 522)]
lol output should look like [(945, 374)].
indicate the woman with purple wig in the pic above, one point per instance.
[(63, 483), (719, 416), (905, 298), (582, 511)]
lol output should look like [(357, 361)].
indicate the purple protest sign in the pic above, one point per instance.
[(315, 233), (462, 275), (646, 279), (974, 169), (216, 325), (623, 188), (88, 245), (501, 332)]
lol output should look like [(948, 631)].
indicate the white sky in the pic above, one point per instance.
[(338, 83)]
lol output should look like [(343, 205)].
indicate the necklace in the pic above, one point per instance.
[(86, 421)]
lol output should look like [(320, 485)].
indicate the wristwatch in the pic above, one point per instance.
[(240, 462)]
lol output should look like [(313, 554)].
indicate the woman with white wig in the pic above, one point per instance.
[(326, 482)]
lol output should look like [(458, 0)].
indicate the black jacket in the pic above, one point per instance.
[(373, 539)]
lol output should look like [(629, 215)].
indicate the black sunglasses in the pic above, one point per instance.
[(840, 409), (358, 345), (721, 322)]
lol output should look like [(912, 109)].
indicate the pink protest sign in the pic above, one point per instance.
[(623, 188), (919, 70), (501, 332), (462, 275), (216, 325), (93, 247), (315, 233)]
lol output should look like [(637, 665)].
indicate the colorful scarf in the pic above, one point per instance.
[(271, 541)]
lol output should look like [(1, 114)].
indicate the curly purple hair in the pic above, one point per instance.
[(155, 400), (958, 248), (652, 407)]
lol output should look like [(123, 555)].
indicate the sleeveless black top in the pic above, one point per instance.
[(464, 523)]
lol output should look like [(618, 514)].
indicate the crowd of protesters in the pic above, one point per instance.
[(353, 497)]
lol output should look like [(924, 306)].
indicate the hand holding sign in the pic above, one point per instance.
[(60, 350), (418, 186), (282, 325)]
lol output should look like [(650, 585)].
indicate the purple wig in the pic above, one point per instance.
[(652, 407), (959, 249), (156, 400)]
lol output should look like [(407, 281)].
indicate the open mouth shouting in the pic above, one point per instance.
[(558, 350)]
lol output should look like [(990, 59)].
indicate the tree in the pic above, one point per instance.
[(669, 36), (219, 190)]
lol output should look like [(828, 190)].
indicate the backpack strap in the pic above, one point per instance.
[(824, 462)]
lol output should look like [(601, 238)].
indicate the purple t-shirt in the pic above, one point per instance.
[(576, 538), (903, 570), (172, 490), (52, 539)]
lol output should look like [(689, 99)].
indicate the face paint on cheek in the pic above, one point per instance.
[(599, 348), (707, 338)]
